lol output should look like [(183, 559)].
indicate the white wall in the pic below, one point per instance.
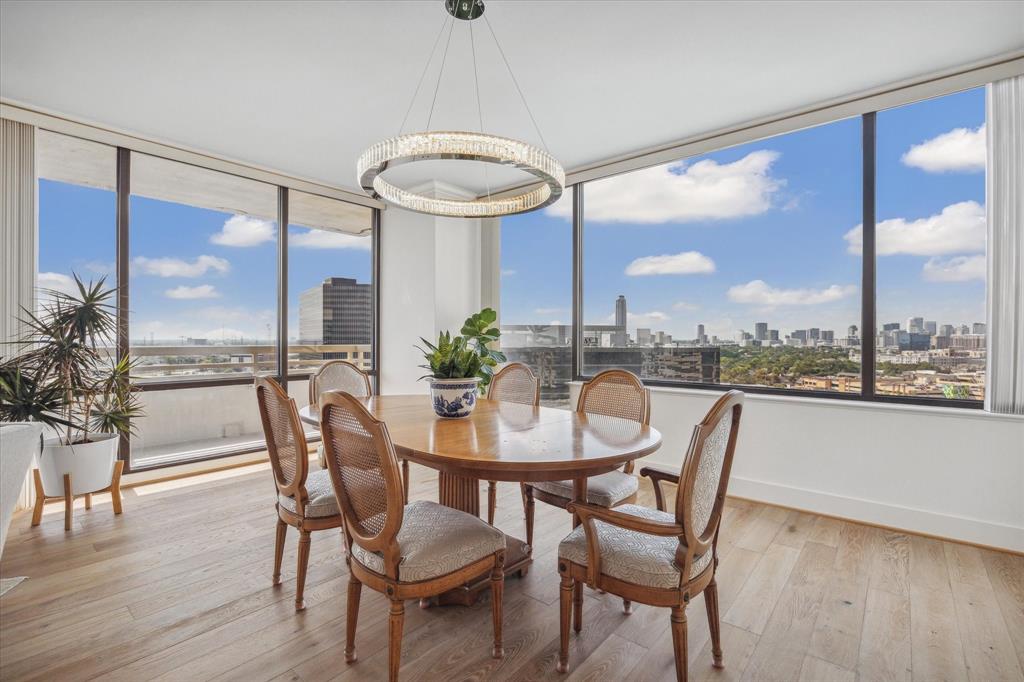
[(430, 281), (947, 472)]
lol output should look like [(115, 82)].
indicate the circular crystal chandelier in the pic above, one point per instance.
[(464, 146)]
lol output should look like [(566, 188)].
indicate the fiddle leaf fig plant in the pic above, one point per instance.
[(468, 354)]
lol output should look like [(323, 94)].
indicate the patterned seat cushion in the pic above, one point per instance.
[(631, 556), (435, 540), (605, 490), (321, 496)]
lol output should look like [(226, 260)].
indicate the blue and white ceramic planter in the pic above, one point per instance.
[(454, 398)]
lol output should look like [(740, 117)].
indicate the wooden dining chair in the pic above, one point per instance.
[(406, 551), (305, 500), (653, 556), (514, 383), (613, 393), (336, 375)]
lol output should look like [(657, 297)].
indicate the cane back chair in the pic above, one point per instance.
[(653, 556), (305, 499), (406, 551), (336, 375), (514, 383)]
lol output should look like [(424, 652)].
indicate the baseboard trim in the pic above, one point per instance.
[(983, 534)]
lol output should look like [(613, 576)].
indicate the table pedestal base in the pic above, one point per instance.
[(459, 492)]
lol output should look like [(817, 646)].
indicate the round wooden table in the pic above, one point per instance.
[(504, 441)]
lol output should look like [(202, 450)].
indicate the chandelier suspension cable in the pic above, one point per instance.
[(440, 73), (423, 75), (516, 83), (479, 107)]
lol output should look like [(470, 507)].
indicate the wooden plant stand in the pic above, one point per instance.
[(69, 499)]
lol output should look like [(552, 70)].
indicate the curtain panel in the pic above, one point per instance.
[(1004, 200)]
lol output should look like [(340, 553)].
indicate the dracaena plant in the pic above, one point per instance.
[(66, 377), (467, 355)]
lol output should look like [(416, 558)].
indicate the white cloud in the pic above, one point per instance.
[(685, 263), (959, 228), (548, 311), (681, 192), (55, 281), (190, 293), (961, 149), (956, 269), (327, 239), (758, 292), (685, 306), (243, 230), (176, 267)]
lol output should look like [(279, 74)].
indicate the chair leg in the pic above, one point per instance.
[(69, 502), (528, 505), (627, 607), (679, 641), (492, 500), (577, 605), (395, 620), (405, 479), (37, 510), (282, 530), (497, 588), (300, 573), (714, 625), (88, 500), (565, 610), (355, 588), (115, 487)]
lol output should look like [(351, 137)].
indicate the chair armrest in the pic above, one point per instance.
[(657, 475), (589, 513)]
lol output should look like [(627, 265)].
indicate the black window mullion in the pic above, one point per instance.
[(577, 283), (375, 249), (867, 306), (282, 286), (122, 257)]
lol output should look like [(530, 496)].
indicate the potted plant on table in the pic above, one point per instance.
[(68, 378), (462, 366)]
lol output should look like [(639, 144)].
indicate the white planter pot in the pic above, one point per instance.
[(91, 465), (454, 398)]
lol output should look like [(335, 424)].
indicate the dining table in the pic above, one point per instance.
[(504, 441)]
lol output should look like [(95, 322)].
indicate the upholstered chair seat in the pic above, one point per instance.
[(435, 540), (607, 490), (632, 556), (321, 501)]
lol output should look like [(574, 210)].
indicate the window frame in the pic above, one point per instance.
[(123, 304), (868, 286)]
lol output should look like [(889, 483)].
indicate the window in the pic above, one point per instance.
[(203, 298), (330, 296), (536, 295), (930, 246), (77, 212), (730, 267)]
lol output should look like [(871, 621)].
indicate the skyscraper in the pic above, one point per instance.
[(760, 331), (931, 327), (814, 333), (978, 328), (338, 311), (947, 330), (890, 326), (619, 337), (915, 325), (701, 336), (773, 334), (851, 330)]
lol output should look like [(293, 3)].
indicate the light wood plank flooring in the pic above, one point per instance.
[(178, 588)]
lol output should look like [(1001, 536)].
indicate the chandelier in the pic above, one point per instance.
[(462, 145)]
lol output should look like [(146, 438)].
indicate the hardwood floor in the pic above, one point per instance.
[(179, 588)]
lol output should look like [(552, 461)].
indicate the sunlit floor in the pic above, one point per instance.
[(178, 588)]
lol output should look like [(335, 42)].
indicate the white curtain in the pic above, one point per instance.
[(17, 237), (1004, 198)]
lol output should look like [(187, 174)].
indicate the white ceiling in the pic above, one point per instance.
[(303, 87)]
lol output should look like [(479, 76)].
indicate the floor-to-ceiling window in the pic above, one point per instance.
[(930, 245), (203, 294), (330, 293), (536, 295)]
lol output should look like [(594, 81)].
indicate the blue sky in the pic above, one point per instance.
[(766, 231), (191, 275)]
